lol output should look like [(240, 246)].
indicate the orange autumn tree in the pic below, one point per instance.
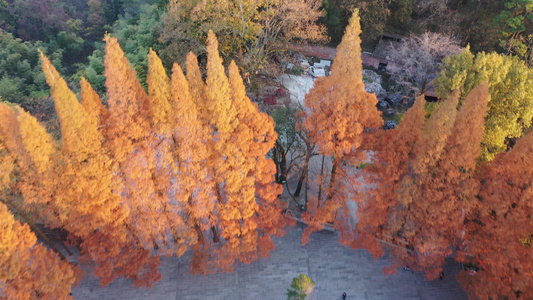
[(499, 232), (85, 191), (393, 149), (150, 173), (338, 111), (172, 149), (258, 137), (412, 192), (29, 193), (129, 137), (443, 189), (88, 193), (239, 137), (35, 153), (112, 248), (28, 270), (425, 184), (196, 184)]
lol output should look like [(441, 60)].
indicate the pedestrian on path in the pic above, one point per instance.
[(344, 296)]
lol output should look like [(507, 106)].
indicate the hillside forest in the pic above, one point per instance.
[(132, 130)]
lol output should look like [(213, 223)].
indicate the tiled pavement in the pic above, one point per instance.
[(334, 268)]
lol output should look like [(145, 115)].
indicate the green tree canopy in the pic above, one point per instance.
[(137, 32), (20, 77), (301, 287), (516, 29)]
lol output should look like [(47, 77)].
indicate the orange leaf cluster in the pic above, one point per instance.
[(28, 270), (338, 111), (182, 167), (421, 194), (499, 231), (424, 173)]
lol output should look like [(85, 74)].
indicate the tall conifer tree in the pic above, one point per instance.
[(499, 235), (128, 135), (375, 204), (85, 192), (29, 270), (36, 155), (423, 184), (235, 191), (339, 110), (88, 192), (163, 145), (434, 204), (197, 86), (195, 182), (257, 129)]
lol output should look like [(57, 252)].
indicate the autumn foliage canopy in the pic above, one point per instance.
[(182, 167), (338, 110), (419, 190)]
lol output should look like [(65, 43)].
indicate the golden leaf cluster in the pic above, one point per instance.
[(180, 167)]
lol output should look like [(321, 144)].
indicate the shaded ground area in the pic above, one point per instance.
[(334, 268)]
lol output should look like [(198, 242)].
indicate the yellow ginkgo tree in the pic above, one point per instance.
[(510, 108)]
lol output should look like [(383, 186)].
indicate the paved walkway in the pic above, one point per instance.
[(334, 268)]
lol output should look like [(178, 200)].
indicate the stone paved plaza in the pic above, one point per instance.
[(334, 268)]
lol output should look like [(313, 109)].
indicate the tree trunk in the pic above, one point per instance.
[(216, 238), (275, 158), (332, 179), (280, 159), (199, 234), (321, 183), (283, 168), (303, 176), (305, 171)]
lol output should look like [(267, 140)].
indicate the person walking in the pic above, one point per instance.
[(344, 296)]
